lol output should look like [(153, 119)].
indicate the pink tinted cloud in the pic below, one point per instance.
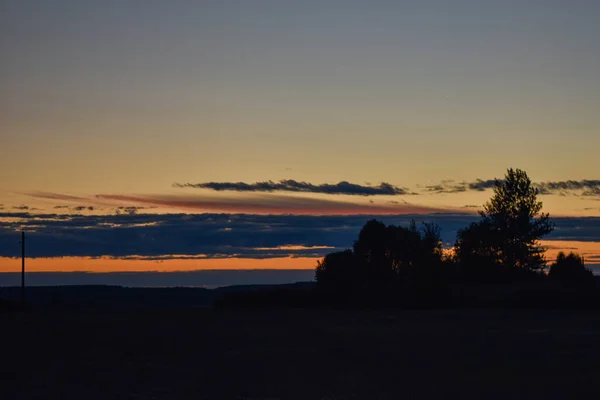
[(267, 204), (83, 201)]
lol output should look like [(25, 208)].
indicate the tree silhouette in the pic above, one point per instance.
[(476, 250), (510, 227), (339, 270), (371, 250), (569, 268), (382, 255)]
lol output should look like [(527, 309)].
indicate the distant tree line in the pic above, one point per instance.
[(503, 246)]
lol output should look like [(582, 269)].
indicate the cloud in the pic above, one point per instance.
[(167, 236), (55, 196), (446, 188), (130, 209), (290, 185), (267, 204), (586, 187), (199, 235), (436, 189), (76, 208), (450, 186), (592, 192), (83, 208), (481, 185), (117, 210), (248, 203)]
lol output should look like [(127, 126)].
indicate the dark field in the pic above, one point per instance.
[(297, 354)]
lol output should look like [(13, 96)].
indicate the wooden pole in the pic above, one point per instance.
[(23, 269)]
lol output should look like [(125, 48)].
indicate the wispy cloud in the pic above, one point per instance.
[(584, 187), (83, 208), (268, 204), (588, 187), (56, 196), (290, 185), (450, 186), (78, 203), (79, 208), (259, 203), (481, 185), (130, 209)]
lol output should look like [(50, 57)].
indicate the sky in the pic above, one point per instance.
[(311, 108)]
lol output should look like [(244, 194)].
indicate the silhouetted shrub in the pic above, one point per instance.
[(340, 270), (569, 268)]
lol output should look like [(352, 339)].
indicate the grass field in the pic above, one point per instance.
[(299, 354)]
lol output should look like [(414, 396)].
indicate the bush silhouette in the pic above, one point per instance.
[(340, 270), (569, 268)]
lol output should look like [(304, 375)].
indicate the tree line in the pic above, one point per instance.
[(503, 246)]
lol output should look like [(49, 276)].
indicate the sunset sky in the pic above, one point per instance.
[(123, 122)]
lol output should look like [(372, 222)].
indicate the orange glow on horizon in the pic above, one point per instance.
[(105, 264), (590, 251)]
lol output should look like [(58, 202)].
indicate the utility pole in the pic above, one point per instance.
[(23, 269)]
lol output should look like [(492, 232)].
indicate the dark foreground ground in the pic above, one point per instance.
[(299, 354)]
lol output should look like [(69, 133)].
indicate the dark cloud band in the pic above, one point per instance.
[(290, 185), (585, 187), (163, 236)]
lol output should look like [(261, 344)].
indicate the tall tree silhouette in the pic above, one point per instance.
[(510, 228)]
